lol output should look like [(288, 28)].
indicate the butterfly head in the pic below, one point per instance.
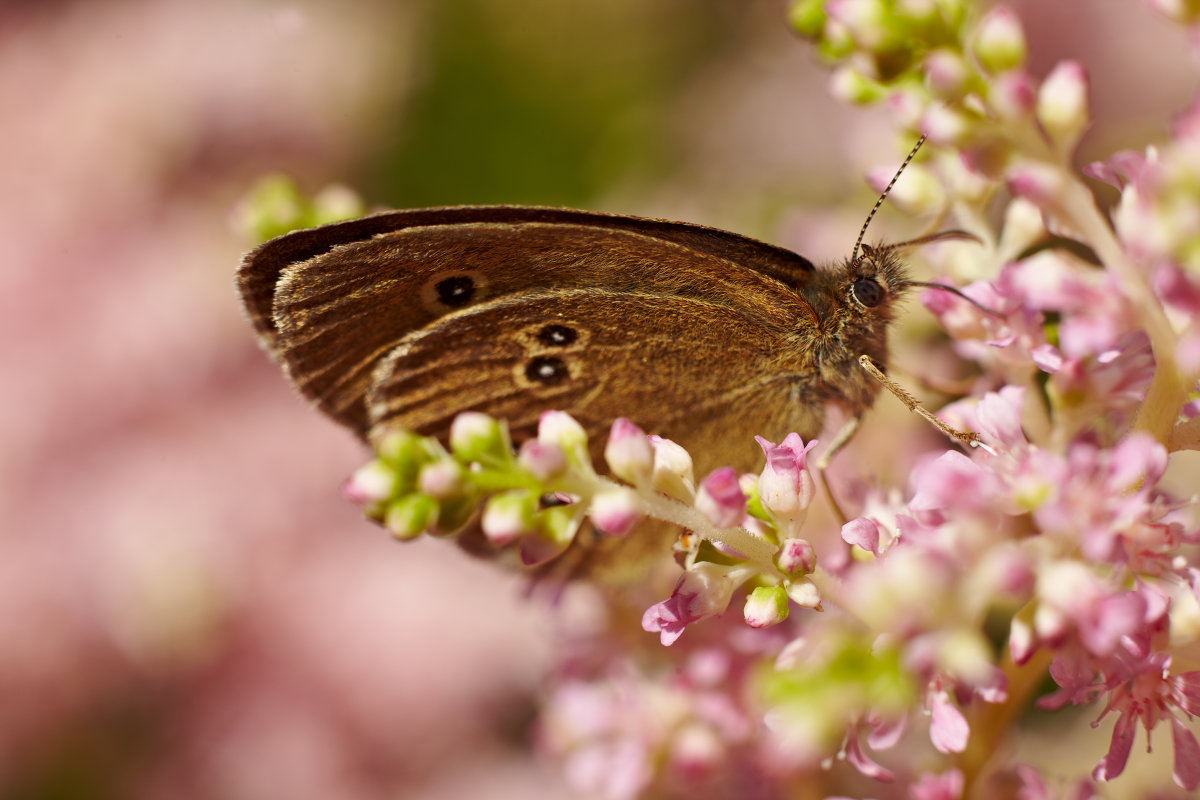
[(853, 304)]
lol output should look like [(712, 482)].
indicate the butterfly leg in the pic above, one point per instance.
[(840, 440), (962, 437)]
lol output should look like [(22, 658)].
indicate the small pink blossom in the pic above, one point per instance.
[(615, 511), (857, 757), (1013, 94), (948, 728), (562, 430), (1121, 169), (508, 516), (954, 481), (796, 557), (946, 71), (441, 479), (672, 470), (785, 486), (721, 499), (1062, 104), (946, 786), (629, 453), (999, 40), (704, 590), (544, 460), (372, 483), (862, 532), (1042, 184)]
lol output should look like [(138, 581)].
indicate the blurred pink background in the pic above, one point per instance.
[(188, 608)]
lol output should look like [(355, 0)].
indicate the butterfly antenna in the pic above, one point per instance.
[(882, 197)]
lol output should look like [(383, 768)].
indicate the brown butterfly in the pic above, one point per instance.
[(699, 335)]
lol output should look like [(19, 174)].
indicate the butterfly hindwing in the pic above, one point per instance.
[(691, 370)]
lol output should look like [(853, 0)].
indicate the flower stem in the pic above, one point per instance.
[(756, 550), (1169, 388), (992, 722)]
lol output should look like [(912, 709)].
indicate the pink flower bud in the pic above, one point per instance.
[(1062, 104), (396, 445), (720, 498), (999, 40), (1023, 226), (560, 428), (672, 472), (695, 751), (1022, 643), (796, 557), (786, 487), (804, 594), (544, 460), (508, 516), (616, 511), (766, 606), (906, 106), (944, 125), (628, 452), (862, 532), (442, 479), (371, 483), (851, 86), (1041, 184), (1013, 94), (946, 72)]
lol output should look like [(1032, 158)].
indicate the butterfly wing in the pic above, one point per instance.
[(332, 302), (699, 372)]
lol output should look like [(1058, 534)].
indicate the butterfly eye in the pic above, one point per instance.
[(868, 292)]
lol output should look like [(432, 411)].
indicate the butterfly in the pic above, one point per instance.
[(699, 335), (702, 336)]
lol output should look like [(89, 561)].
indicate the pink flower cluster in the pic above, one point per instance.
[(784, 490)]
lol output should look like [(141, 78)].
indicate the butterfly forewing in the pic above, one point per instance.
[(343, 297)]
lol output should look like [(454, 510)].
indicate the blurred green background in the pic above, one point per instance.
[(544, 101)]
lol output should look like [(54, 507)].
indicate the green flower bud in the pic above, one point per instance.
[(851, 86), (555, 528), (478, 437), (807, 18), (1062, 104), (404, 452), (508, 516), (410, 516), (766, 606), (999, 41)]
